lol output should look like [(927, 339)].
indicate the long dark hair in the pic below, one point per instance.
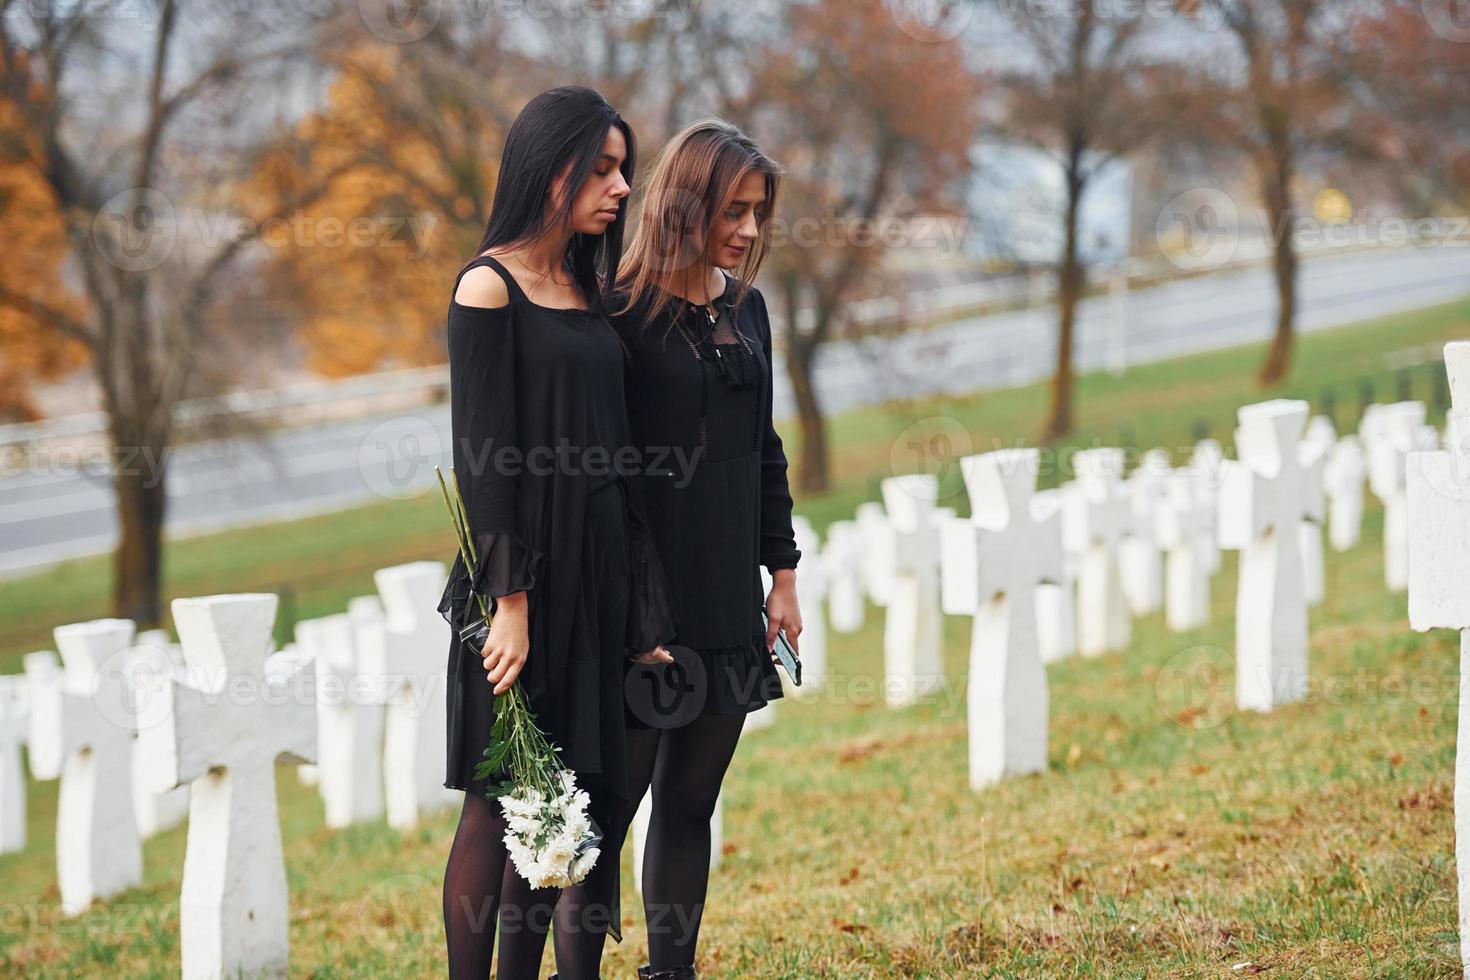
[(567, 124)]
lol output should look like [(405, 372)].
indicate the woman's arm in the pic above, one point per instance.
[(778, 541), (487, 454)]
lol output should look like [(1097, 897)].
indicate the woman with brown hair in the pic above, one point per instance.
[(699, 393)]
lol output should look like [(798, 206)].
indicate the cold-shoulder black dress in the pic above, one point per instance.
[(718, 506), (538, 419)]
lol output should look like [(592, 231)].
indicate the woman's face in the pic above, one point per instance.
[(601, 196), (733, 230)]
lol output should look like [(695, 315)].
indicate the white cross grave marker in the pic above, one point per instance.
[(1320, 438), (1438, 497), (992, 564), (812, 587), (909, 558), (14, 720), (224, 737), (1095, 516), (1056, 604), (406, 654), (1342, 478), (1264, 496), (82, 731), (872, 524), (1139, 558), (842, 561), (1395, 431), (1205, 463), (1186, 530), (148, 665), (349, 723)]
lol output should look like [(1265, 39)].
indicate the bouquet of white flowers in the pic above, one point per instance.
[(549, 836)]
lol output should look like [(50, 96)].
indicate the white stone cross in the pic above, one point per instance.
[(909, 557), (992, 564), (1186, 529), (1205, 463), (14, 721), (1342, 478), (224, 737), (349, 723), (1393, 432), (82, 731), (1095, 516), (1438, 496), (149, 663), (812, 587), (1264, 496), (407, 654), (1319, 440), (1056, 604), (1139, 556), (872, 524), (842, 561)]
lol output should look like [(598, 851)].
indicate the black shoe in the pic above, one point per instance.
[(684, 971)]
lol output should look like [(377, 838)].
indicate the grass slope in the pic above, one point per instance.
[(1170, 835)]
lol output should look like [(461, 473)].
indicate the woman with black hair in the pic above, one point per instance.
[(700, 385), (538, 419)]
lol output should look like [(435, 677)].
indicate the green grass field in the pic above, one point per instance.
[(1170, 835)]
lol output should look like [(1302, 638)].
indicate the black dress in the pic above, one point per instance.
[(537, 416), (718, 505)]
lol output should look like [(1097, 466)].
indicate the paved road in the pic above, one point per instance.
[(59, 510)]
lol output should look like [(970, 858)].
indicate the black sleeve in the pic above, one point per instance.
[(482, 381), (778, 542), (652, 619)]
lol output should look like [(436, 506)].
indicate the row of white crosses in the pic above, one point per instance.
[(1437, 496), (210, 720), (1389, 433)]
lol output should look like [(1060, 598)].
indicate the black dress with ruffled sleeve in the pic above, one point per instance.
[(718, 505), (538, 420)]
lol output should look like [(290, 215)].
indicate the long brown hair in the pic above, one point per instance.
[(693, 181)]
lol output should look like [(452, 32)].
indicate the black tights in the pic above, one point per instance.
[(481, 884), (685, 767)]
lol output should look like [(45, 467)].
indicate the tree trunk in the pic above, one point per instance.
[(811, 469), (1069, 292), (138, 562), (811, 472), (1277, 194)]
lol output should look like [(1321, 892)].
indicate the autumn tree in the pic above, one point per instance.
[(1083, 88), (1409, 118), (1279, 98), (138, 130), (872, 123)]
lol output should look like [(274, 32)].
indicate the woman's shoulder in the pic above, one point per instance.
[(482, 287), (752, 304)]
